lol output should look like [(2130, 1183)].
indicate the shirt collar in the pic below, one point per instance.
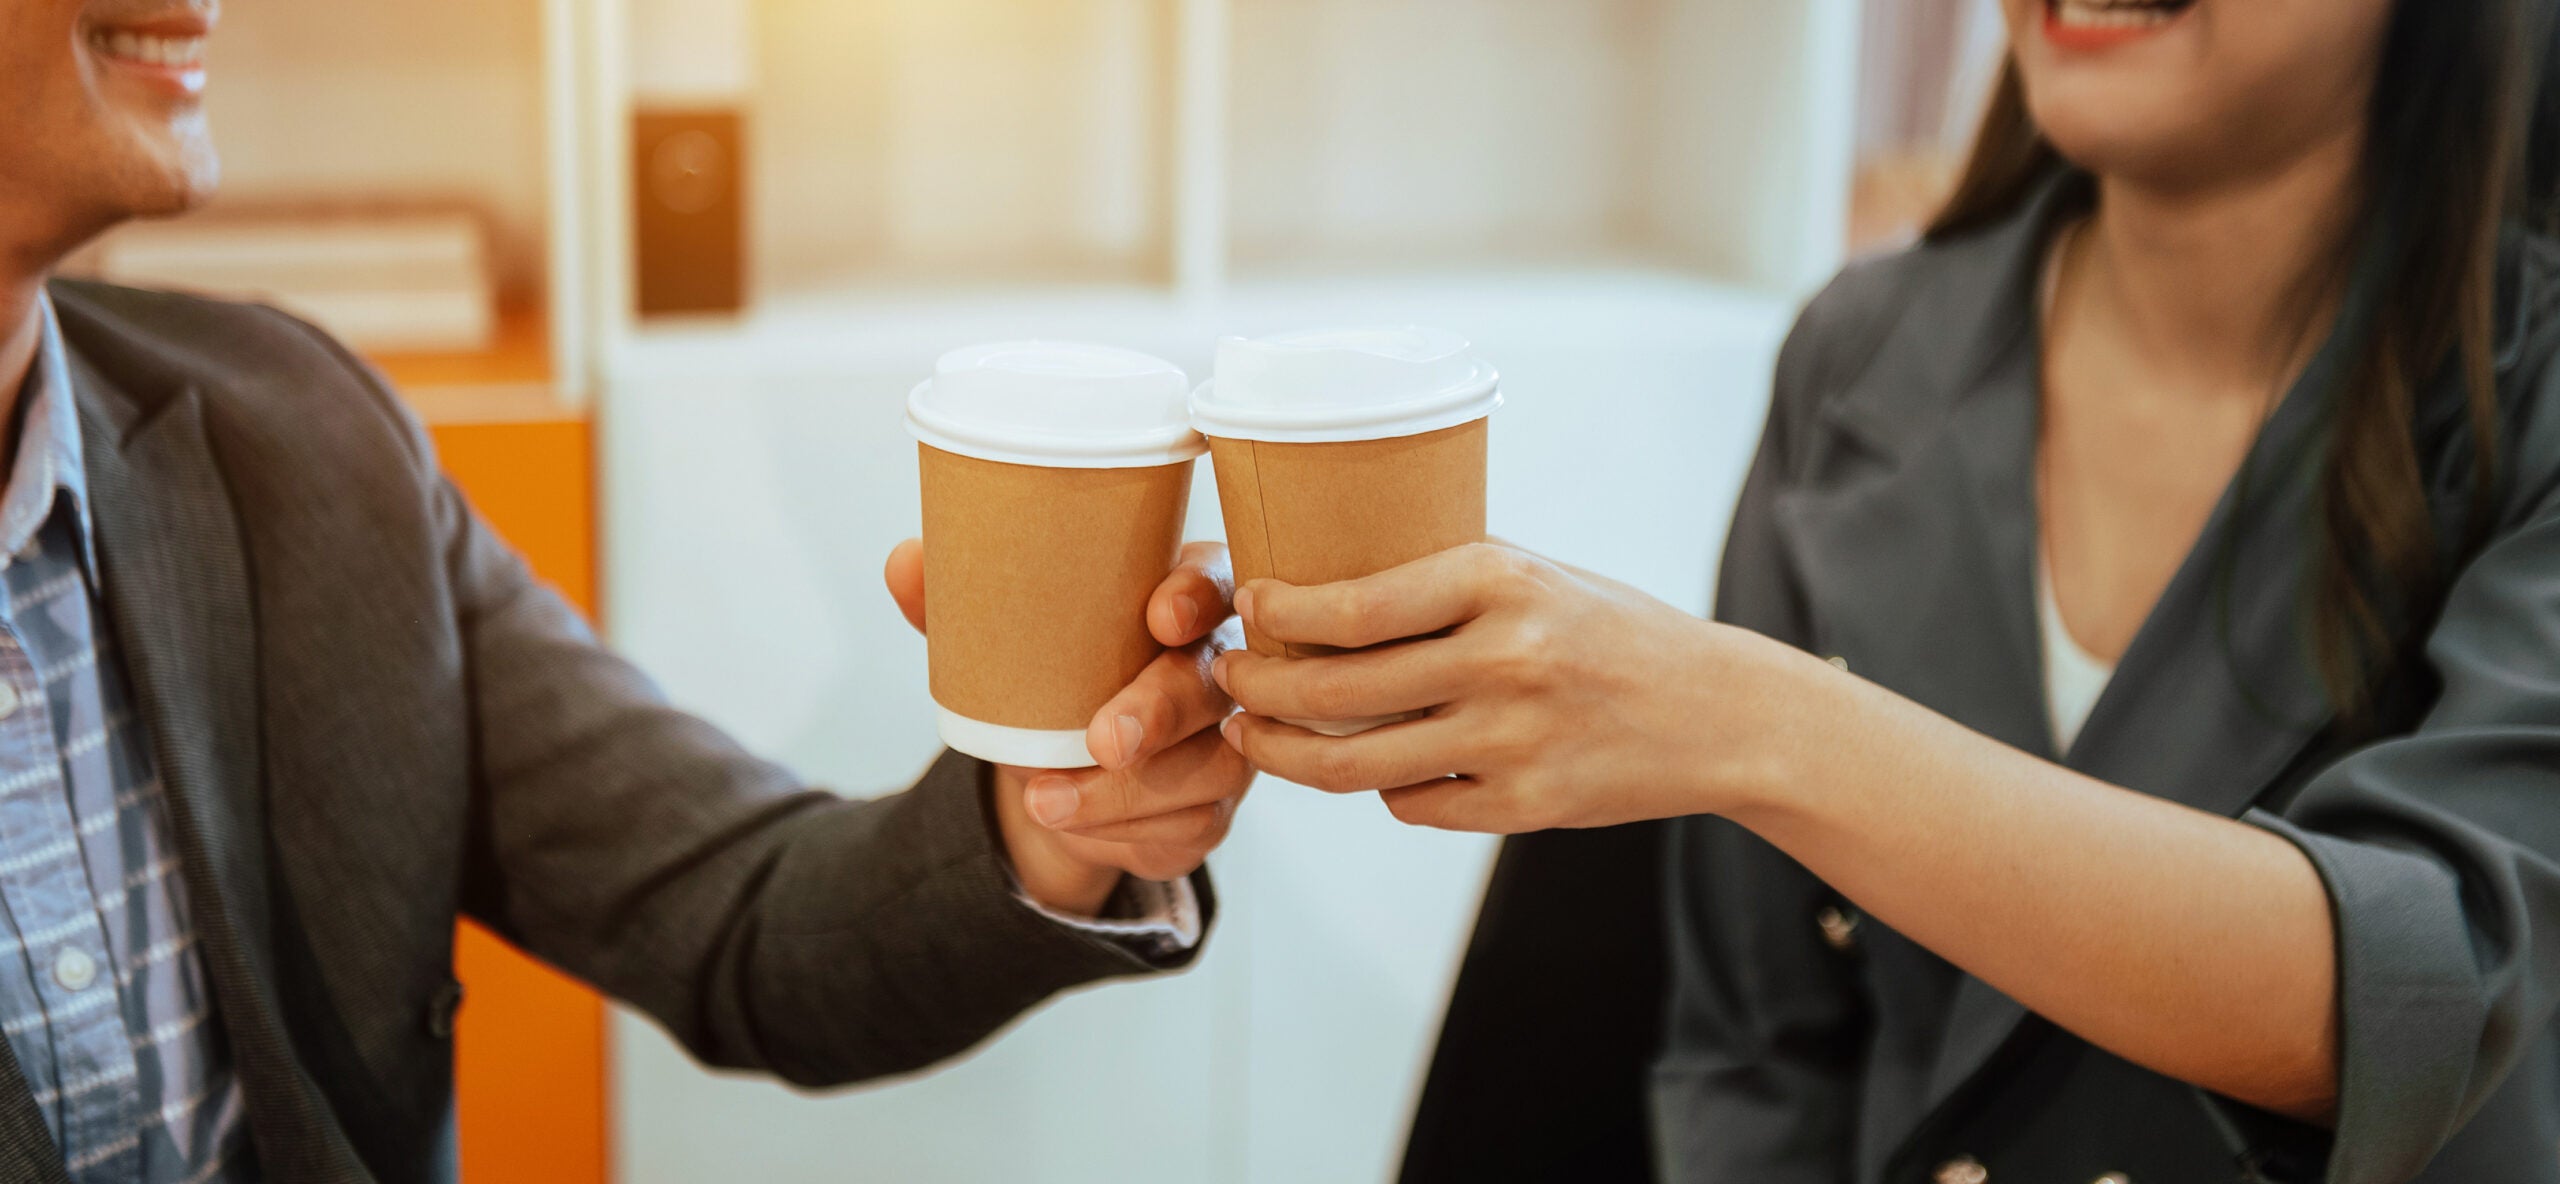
[(48, 461)]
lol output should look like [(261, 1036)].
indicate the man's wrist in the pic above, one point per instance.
[(1048, 873)]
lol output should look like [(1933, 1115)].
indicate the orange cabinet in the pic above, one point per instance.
[(530, 1043)]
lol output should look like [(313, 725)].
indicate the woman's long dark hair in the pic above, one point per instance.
[(2463, 144)]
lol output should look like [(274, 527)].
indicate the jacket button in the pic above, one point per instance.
[(1963, 1169), (1839, 928), (442, 1008)]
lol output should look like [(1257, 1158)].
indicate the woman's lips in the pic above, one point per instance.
[(2105, 24)]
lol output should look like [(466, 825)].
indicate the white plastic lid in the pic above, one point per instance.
[(1055, 404), (1326, 385)]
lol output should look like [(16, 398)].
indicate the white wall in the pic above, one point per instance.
[(756, 478)]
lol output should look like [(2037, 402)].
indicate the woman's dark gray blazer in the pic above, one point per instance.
[(1889, 519)]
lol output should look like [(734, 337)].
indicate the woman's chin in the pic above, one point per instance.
[(2125, 138)]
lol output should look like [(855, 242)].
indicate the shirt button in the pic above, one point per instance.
[(1963, 1169), (8, 700), (1839, 928), (74, 969), (1838, 663), (2113, 1178)]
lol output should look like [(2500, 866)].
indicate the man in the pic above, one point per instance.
[(275, 709)]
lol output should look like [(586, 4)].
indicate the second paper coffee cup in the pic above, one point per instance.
[(1055, 479), (1341, 453)]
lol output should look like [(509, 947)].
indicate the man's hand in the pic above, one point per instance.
[(1167, 786)]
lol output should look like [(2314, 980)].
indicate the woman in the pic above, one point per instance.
[(2182, 518)]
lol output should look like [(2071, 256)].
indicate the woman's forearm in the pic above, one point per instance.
[(2192, 944), (2183, 941)]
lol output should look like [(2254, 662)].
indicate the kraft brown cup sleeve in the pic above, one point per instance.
[(1036, 583), (1318, 513)]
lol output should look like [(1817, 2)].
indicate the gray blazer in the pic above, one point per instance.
[(372, 721), (1889, 519)]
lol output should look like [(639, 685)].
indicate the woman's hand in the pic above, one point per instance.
[(1166, 788), (1556, 697)]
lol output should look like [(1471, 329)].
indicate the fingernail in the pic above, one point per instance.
[(1051, 800), (1128, 732), (1186, 615), (1244, 604), (1227, 730), (1218, 672)]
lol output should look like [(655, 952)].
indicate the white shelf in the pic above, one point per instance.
[(991, 139), (1170, 144), (332, 100), (336, 105), (868, 330), (1534, 131)]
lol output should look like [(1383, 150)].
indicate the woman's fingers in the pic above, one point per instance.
[(1194, 598), (1389, 680), (1397, 754), (1446, 803), (1195, 772), (1425, 596), (1170, 700), (904, 573)]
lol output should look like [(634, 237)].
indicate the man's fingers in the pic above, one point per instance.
[(1197, 827), (1195, 772), (904, 573), (1194, 598), (1172, 699), (1387, 680), (1162, 862), (1425, 596), (1397, 754)]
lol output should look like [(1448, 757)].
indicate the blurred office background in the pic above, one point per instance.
[(660, 272)]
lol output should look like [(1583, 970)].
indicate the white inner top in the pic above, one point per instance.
[(2073, 677)]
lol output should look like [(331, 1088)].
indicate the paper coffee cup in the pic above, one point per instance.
[(1341, 453), (1055, 480)]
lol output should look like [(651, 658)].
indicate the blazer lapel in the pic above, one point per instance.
[(1922, 570), (178, 593), (1922, 576), (1915, 537), (2221, 663)]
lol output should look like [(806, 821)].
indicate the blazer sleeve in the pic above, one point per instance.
[(2440, 850), (765, 924), (1762, 1060)]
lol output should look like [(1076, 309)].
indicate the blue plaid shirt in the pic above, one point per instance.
[(102, 994)]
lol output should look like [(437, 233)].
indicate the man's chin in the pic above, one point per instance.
[(196, 168), (165, 186), (180, 176)]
